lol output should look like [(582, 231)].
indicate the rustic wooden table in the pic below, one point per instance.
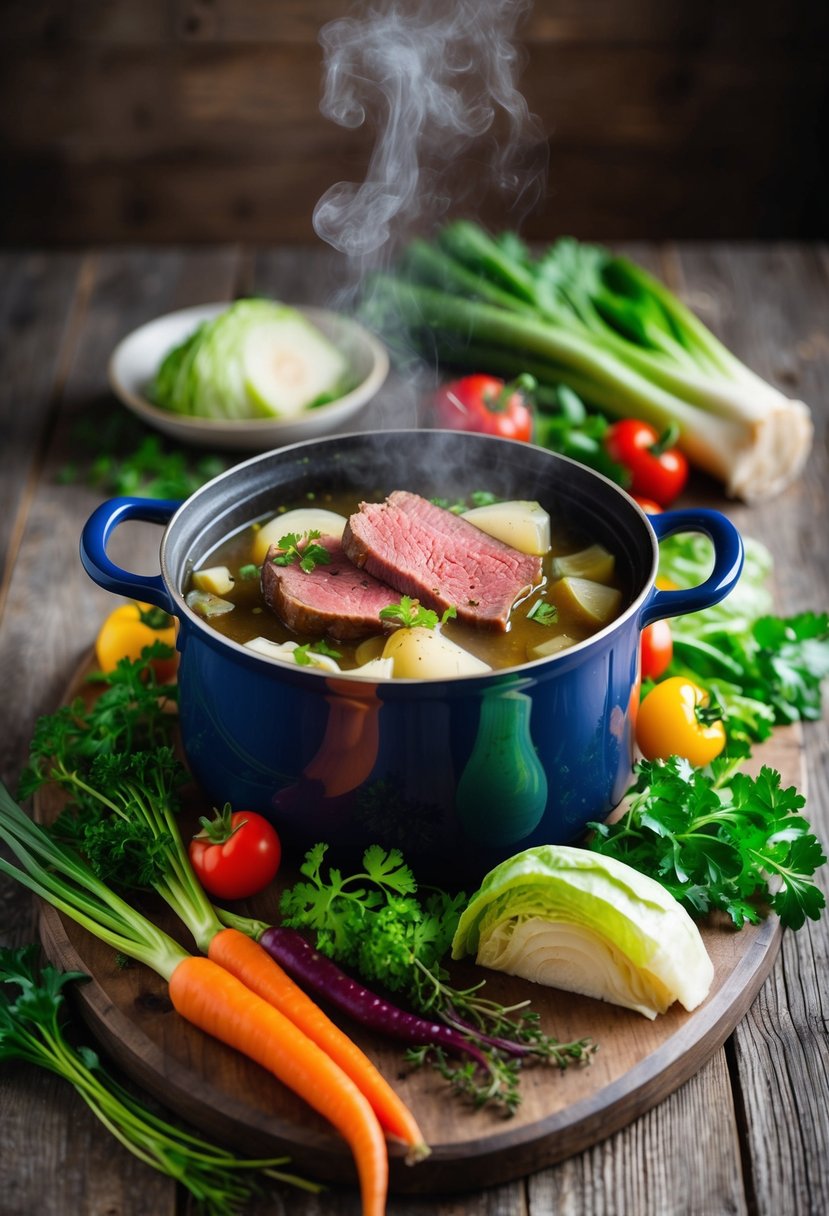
[(750, 1132)]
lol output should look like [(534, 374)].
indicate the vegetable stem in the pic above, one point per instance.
[(576, 315)]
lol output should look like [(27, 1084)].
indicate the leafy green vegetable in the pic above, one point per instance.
[(762, 669), (723, 840), (582, 317), (58, 875), (302, 549), (31, 1029), (371, 919), (411, 614), (256, 359), (565, 917), (131, 712)]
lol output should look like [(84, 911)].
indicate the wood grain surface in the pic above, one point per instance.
[(749, 1132), (199, 120)]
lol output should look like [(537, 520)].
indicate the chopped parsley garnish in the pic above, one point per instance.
[(411, 613), (478, 498), (301, 548), (302, 654), (248, 572), (543, 613)]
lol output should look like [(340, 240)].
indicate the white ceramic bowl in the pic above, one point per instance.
[(135, 361)]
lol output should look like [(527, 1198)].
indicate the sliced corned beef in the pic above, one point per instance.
[(426, 552), (337, 598)]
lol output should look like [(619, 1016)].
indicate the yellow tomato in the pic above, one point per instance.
[(676, 719), (128, 630)]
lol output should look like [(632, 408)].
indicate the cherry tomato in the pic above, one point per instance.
[(657, 469), (488, 405), (657, 649), (648, 505), (128, 630), (236, 854), (676, 719)]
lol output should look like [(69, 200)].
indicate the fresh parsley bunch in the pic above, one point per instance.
[(731, 842), (372, 920)]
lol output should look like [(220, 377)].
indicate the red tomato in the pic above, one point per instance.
[(236, 854), (488, 405), (657, 470), (657, 649), (648, 505)]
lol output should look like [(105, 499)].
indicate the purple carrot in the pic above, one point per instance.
[(313, 970)]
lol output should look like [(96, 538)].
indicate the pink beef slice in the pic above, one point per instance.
[(338, 598), (430, 554)]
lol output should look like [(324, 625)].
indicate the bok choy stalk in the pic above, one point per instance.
[(581, 316), (568, 918)]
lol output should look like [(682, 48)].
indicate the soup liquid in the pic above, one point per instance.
[(251, 618)]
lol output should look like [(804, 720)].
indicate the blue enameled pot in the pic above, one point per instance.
[(459, 774)]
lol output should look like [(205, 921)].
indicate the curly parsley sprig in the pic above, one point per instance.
[(302, 548), (411, 614)]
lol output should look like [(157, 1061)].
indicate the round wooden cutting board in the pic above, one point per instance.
[(637, 1064)]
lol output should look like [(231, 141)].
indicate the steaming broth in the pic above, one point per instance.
[(251, 618)]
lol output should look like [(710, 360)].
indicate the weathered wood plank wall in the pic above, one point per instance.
[(198, 120)]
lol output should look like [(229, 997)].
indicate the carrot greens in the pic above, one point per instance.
[(203, 992), (32, 1029)]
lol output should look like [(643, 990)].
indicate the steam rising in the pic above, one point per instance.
[(436, 80)]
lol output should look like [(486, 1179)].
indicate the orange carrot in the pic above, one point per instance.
[(214, 1000), (252, 964)]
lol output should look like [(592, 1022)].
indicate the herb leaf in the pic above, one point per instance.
[(302, 549), (543, 613), (411, 614), (302, 654), (735, 842), (478, 498)]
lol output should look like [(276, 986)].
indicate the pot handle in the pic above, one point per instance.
[(728, 563), (97, 531)]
